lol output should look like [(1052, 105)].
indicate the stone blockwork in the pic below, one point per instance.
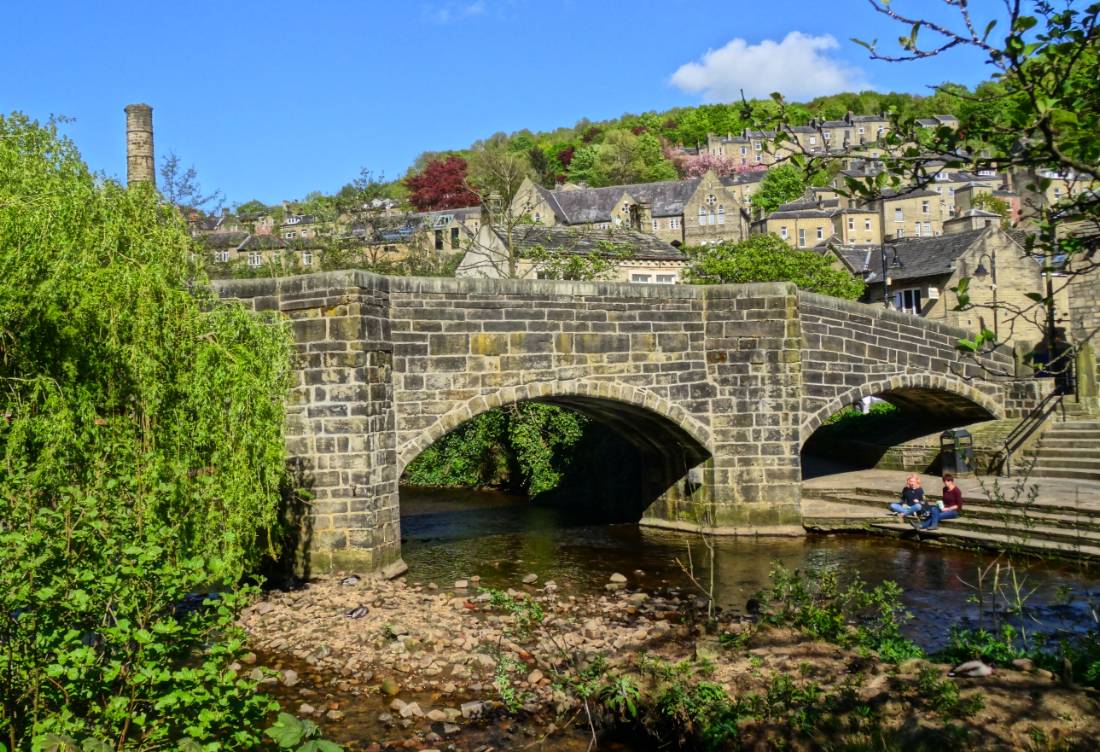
[(717, 387)]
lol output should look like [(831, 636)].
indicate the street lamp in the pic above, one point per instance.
[(981, 273), (895, 263)]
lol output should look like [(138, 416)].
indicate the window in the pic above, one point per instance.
[(656, 225), (783, 232), (307, 258), (899, 216), (825, 136), (721, 215), (674, 223), (813, 140), (756, 145), (537, 217), (901, 233), (222, 256), (666, 279), (908, 301), (928, 229), (759, 159), (802, 238), (916, 228), (867, 225), (951, 191), (439, 240), (255, 259), (851, 224), (290, 235), (1057, 194), (744, 151), (702, 216), (924, 206), (454, 237), (711, 219), (635, 277), (820, 232), (389, 249)]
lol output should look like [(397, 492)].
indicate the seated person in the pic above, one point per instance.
[(912, 496), (949, 508)]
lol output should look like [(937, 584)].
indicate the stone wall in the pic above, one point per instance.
[(854, 350)]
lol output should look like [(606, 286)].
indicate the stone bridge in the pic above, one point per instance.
[(716, 387)]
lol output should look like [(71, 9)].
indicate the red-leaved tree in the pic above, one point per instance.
[(442, 185)]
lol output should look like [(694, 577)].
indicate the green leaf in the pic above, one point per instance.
[(287, 731), (320, 745)]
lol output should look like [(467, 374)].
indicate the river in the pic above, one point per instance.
[(450, 534)]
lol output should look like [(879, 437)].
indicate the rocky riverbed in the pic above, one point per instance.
[(385, 665)]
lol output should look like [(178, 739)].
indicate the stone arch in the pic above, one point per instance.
[(953, 395), (582, 395)]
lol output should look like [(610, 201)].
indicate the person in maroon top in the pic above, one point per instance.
[(951, 507)]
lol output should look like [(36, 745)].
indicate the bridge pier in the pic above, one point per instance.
[(716, 386)]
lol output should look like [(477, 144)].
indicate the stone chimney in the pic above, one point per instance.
[(645, 216), (140, 165)]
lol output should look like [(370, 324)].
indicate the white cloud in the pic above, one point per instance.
[(799, 67)]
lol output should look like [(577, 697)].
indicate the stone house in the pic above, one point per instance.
[(697, 211), (637, 256), (820, 217), (906, 213), (255, 250), (920, 272)]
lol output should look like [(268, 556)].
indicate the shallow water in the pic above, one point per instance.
[(455, 534)]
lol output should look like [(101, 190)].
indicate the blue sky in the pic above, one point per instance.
[(272, 100)]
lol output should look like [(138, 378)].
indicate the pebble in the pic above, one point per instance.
[(530, 579), (389, 686), (436, 715), (534, 677), (289, 678), (334, 715), (461, 584), (306, 709), (358, 612), (411, 710), (618, 578), (471, 710), (352, 580)]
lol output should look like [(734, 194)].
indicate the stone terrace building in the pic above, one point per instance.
[(639, 257), (697, 211)]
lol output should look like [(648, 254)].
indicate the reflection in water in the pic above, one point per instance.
[(454, 534)]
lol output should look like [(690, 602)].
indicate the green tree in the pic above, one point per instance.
[(780, 184), (767, 258), (1039, 117), (141, 436)]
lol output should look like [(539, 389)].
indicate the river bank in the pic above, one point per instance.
[(390, 665)]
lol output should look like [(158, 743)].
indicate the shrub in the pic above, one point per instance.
[(142, 459)]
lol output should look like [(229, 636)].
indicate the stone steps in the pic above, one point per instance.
[(996, 541), (1068, 449), (880, 498), (1060, 519)]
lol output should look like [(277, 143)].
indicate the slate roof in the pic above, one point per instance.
[(217, 241), (925, 257), (856, 258), (586, 241), (581, 206), (890, 194)]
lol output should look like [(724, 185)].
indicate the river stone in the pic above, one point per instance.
[(461, 584), (616, 577), (334, 715), (397, 704), (412, 710), (472, 709), (389, 686), (534, 677), (290, 677), (306, 709), (436, 715), (530, 579), (475, 579), (637, 597), (449, 729)]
